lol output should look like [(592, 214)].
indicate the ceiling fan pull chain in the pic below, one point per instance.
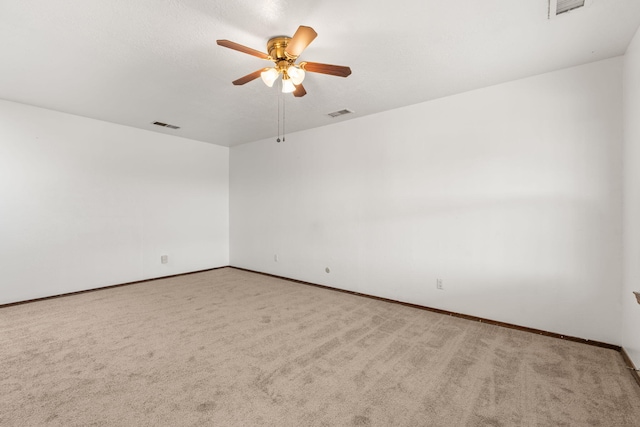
[(278, 101), (283, 120)]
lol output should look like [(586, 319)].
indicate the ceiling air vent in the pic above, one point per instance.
[(340, 113), (166, 125), (562, 6)]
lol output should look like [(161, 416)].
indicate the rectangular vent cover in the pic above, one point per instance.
[(563, 6), (166, 125), (340, 113)]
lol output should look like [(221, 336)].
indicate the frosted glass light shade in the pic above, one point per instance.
[(296, 74), (269, 76), (287, 86)]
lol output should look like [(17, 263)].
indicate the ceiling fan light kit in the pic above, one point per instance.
[(284, 51)]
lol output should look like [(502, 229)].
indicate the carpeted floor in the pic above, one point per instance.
[(232, 348)]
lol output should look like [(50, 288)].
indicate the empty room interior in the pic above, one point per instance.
[(321, 213)]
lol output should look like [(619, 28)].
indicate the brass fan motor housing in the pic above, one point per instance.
[(276, 47)]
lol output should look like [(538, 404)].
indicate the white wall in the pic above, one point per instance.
[(511, 194), (85, 203), (631, 222)]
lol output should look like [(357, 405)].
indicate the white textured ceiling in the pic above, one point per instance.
[(135, 62)]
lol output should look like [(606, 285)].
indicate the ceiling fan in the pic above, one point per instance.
[(284, 51)]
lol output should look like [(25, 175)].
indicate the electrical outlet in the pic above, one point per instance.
[(439, 284), (164, 259)]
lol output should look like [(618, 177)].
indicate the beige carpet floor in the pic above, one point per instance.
[(232, 348)]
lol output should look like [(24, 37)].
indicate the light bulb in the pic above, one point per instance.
[(269, 76), (296, 74), (287, 85)]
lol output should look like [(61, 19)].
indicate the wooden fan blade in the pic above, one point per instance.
[(300, 40), (333, 70), (299, 92), (248, 77), (241, 48)]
